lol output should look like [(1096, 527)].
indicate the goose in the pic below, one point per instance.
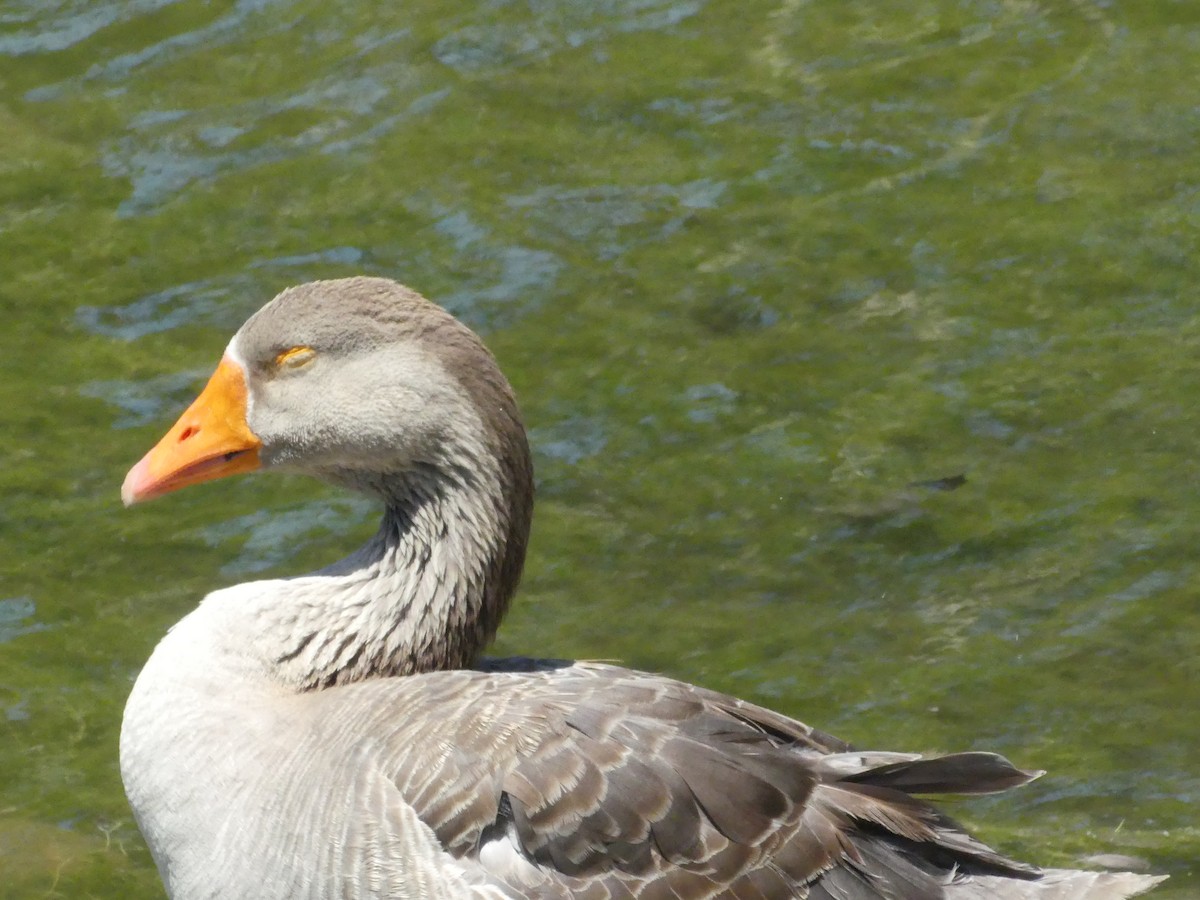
[(341, 735)]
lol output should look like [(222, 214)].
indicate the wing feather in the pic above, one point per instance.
[(589, 781)]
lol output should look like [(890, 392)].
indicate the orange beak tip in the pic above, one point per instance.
[(133, 489)]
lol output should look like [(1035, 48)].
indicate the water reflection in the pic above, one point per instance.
[(16, 618)]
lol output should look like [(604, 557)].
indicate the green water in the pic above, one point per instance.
[(754, 269)]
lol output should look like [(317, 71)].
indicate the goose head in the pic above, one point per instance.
[(358, 381)]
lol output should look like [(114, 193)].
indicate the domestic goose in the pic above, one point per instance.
[(340, 735)]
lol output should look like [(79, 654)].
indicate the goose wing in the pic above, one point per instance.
[(585, 780)]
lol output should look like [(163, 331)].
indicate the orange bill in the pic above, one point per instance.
[(210, 440)]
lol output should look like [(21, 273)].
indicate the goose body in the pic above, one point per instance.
[(340, 735)]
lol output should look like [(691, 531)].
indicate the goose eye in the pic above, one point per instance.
[(295, 358)]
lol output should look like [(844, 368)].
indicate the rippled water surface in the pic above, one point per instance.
[(859, 345)]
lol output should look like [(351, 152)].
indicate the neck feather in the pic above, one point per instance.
[(427, 592)]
